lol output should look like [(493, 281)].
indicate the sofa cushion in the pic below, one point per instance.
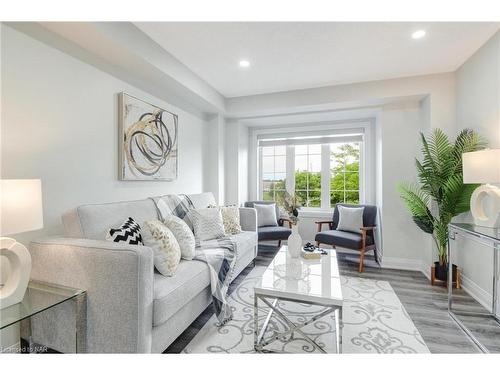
[(274, 233), (182, 234), (170, 294), (207, 223), (350, 218), (252, 205), (93, 221), (166, 249), (231, 219), (191, 277), (349, 240), (202, 200), (266, 215)]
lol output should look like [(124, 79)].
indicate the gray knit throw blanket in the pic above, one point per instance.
[(219, 254)]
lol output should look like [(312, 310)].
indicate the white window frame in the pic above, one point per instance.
[(366, 166)]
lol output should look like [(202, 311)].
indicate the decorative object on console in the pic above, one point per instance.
[(148, 141), (21, 211), (129, 232), (207, 223), (441, 183), (182, 234), (484, 167), (167, 253)]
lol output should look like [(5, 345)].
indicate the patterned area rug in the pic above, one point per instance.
[(375, 321)]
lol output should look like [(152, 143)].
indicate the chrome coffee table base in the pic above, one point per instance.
[(260, 343)]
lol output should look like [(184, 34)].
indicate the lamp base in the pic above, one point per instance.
[(485, 206), (17, 280)]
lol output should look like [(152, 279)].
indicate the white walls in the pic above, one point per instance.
[(399, 136), (236, 162), (59, 123), (478, 108), (478, 92), (214, 157), (404, 107)]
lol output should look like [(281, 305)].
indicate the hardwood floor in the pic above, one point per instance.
[(426, 305)]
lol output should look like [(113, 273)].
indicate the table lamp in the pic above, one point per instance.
[(21, 211), (483, 167)]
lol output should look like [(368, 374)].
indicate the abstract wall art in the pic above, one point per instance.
[(148, 141)]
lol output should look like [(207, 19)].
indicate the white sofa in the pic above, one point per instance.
[(131, 307)]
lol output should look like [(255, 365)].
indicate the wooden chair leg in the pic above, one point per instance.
[(279, 243), (361, 260)]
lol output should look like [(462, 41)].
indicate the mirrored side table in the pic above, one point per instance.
[(41, 297), (489, 237)]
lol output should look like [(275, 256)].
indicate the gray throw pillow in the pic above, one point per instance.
[(266, 215), (350, 219)]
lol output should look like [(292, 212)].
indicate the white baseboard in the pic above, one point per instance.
[(402, 264), (476, 292)]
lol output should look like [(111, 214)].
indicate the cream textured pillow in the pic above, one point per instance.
[(207, 223), (231, 219), (350, 218), (183, 235), (167, 253)]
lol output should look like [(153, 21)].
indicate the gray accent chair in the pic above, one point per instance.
[(363, 241), (272, 233), (131, 308)]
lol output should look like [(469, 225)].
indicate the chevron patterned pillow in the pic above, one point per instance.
[(129, 232)]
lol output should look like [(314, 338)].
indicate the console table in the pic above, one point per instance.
[(485, 236)]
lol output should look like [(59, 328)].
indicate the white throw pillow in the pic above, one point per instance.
[(350, 218), (207, 223), (266, 215), (167, 253), (183, 235), (231, 220)]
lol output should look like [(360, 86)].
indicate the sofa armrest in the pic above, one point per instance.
[(118, 279), (248, 219)]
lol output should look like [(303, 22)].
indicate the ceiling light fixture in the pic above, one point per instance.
[(244, 63), (419, 34)]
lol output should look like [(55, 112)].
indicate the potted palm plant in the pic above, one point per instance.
[(440, 194)]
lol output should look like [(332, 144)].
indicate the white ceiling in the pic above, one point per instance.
[(298, 55)]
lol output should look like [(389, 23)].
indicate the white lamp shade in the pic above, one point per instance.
[(20, 206), (481, 167)]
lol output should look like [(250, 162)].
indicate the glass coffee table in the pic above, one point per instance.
[(41, 297), (309, 281)]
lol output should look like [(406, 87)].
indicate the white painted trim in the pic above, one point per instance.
[(367, 167), (476, 292), (402, 263), (325, 176)]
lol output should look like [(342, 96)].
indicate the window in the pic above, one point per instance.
[(273, 172), (308, 174), (344, 173), (322, 171)]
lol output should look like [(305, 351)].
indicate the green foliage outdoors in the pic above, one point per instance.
[(308, 184), (440, 194)]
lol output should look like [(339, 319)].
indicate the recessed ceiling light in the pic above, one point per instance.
[(244, 63), (419, 34)]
